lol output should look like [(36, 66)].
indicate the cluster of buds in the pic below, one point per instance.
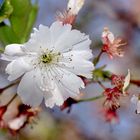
[(112, 45), (113, 95), (73, 8)]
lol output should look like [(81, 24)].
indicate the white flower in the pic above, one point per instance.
[(49, 63), (74, 6), (135, 100)]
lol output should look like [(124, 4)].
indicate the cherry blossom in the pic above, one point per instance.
[(50, 64)]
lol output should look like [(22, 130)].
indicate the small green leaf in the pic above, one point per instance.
[(6, 10), (7, 36), (23, 18), (101, 74), (31, 21)]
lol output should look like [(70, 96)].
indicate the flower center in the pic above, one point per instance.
[(49, 57), (46, 58)]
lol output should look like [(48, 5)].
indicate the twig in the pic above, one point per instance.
[(135, 82), (91, 99), (100, 83), (96, 59)]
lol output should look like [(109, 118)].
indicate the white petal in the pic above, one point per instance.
[(134, 99), (66, 84), (17, 123), (29, 89), (62, 35), (8, 58), (56, 99), (69, 81), (41, 38), (57, 30), (85, 54), (78, 64), (126, 81), (44, 36), (82, 45), (111, 37), (69, 39), (107, 36), (17, 68), (74, 6), (14, 50)]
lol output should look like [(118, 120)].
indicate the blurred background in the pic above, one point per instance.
[(85, 121)]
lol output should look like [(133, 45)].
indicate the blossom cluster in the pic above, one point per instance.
[(113, 95)]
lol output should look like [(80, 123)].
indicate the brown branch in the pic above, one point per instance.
[(135, 82)]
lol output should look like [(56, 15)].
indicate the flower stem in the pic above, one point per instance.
[(96, 59), (100, 83), (91, 99)]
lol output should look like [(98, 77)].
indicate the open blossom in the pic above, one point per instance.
[(136, 101), (111, 45), (50, 64), (73, 8)]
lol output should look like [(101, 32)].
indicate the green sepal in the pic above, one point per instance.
[(101, 74)]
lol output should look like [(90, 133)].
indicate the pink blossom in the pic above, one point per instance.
[(111, 45)]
